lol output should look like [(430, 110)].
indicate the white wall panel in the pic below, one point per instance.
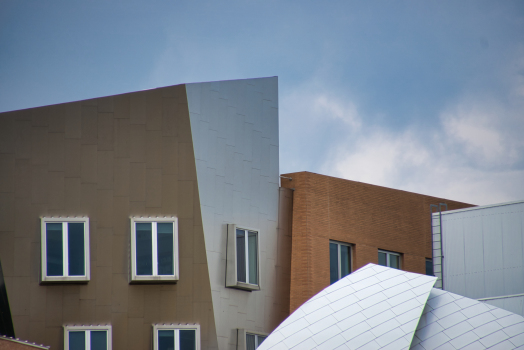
[(484, 252)]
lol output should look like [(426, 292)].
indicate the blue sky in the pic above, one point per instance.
[(425, 96)]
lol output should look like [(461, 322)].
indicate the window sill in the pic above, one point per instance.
[(245, 286), (62, 279), (153, 279)]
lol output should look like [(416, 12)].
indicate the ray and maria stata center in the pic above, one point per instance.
[(159, 220)]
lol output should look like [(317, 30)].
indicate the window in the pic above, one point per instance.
[(154, 249), (249, 340), (254, 340), (87, 337), (176, 337), (429, 267), (65, 249), (389, 259), (242, 270), (339, 261)]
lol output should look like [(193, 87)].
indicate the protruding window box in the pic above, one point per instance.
[(176, 336), (154, 250), (243, 252), (65, 249)]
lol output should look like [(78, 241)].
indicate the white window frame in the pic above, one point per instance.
[(242, 338), (65, 246), (87, 329), (339, 257), (155, 277), (231, 263), (388, 254), (176, 328)]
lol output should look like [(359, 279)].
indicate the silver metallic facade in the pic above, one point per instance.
[(234, 126), (483, 253)]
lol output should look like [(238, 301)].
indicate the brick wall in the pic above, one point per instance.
[(367, 216)]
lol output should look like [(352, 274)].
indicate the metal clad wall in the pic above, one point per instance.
[(455, 258), (484, 253), (514, 304), (234, 127)]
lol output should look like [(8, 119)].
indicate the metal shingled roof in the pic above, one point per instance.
[(451, 321), (377, 307), (374, 307)]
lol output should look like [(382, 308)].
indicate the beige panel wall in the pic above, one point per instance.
[(107, 158)]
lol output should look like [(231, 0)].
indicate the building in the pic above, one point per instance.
[(156, 217), (145, 218), (482, 253), (378, 307), (340, 225)]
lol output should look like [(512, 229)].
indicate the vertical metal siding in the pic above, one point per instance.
[(484, 253)]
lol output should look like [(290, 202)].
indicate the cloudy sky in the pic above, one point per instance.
[(424, 96)]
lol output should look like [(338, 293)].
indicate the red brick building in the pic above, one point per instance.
[(366, 218)]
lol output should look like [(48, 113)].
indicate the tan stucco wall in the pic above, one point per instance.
[(107, 158)]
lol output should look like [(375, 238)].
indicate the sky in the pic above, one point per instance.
[(423, 96)]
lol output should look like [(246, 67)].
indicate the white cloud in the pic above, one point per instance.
[(473, 157), (482, 130)]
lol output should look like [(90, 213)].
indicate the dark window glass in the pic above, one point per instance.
[(144, 249), (55, 252), (261, 339), (333, 263), (166, 340), (98, 340), (429, 267), (250, 342), (252, 255), (345, 260), (165, 248), (382, 259), (241, 256), (76, 251), (77, 340), (394, 261), (187, 339)]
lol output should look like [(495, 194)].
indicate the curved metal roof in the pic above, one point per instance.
[(377, 307)]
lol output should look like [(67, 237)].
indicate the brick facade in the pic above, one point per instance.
[(367, 216)]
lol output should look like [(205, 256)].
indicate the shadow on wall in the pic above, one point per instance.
[(6, 322)]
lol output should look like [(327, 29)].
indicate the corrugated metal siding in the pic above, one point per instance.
[(484, 251)]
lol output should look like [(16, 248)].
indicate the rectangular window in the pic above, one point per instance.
[(87, 337), (253, 341), (65, 249), (389, 259), (176, 337), (339, 261), (429, 267), (249, 340), (154, 249), (242, 270)]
